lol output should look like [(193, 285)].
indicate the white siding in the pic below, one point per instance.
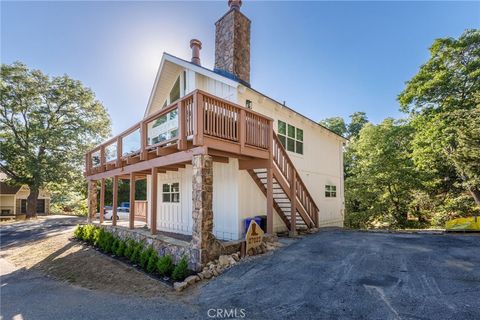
[(322, 161), (177, 217), (252, 202), (216, 88)]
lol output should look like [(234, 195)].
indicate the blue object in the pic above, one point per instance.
[(125, 204), (249, 220)]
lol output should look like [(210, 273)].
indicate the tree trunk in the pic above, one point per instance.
[(476, 194), (32, 203)]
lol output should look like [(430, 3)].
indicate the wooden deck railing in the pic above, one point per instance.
[(190, 119), (287, 169)]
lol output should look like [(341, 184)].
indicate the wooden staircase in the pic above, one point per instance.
[(291, 199)]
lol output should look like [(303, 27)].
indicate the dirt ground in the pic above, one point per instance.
[(67, 260)]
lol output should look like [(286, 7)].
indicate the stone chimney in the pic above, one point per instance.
[(196, 45), (232, 44)]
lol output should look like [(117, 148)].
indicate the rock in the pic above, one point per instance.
[(215, 272), (250, 252), (236, 257), (211, 267), (224, 260), (205, 269), (201, 276), (192, 279), (270, 247), (179, 286), (207, 274)]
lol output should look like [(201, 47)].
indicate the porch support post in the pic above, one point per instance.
[(293, 202), (270, 180), (270, 200), (154, 195), (131, 219), (115, 201), (203, 239), (102, 200), (92, 200)]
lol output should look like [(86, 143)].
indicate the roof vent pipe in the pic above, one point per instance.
[(196, 45)]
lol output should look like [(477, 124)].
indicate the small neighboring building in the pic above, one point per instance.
[(13, 199)]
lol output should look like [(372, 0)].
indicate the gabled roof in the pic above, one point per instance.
[(8, 189), (216, 76)]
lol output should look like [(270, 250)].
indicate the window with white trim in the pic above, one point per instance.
[(330, 191), (290, 137), (171, 192)]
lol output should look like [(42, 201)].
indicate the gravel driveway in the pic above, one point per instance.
[(329, 275)]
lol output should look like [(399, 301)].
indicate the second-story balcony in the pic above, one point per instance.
[(196, 123)]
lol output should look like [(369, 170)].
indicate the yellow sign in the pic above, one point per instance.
[(254, 236)]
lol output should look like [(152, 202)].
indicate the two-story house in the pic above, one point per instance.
[(215, 151)]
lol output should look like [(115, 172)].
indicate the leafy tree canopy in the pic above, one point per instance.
[(46, 126), (443, 100), (336, 124)]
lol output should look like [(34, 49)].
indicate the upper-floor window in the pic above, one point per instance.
[(330, 191), (248, 104), (175, 92), (290, 137), (171, 192)]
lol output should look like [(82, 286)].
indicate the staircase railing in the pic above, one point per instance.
[(287, 169)]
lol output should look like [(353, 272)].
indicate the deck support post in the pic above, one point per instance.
[(270, 180), (131, 218), (154, 196), (270, 200), (92, 200), (102, 200), (293, 202), (203, 241), (114, 200)]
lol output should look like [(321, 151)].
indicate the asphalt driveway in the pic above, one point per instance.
[(329, 275), (20, 232)]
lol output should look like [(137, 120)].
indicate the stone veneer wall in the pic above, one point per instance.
[(92, 200), (177, 249), (232, 45), (204, 244)]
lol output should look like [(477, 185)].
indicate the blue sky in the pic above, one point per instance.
[(324, 59)]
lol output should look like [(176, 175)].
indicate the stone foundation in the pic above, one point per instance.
[(161, 244), (204, 245)]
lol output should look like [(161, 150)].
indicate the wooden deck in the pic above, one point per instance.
[(201, 123)]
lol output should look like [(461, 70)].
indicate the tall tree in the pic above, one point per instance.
[(443, 100), (46, 126), (357, 121), (382, 175), (336, 124)]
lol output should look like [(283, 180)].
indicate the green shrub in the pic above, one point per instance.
[(181, 270), (97, 235), (88, 232), (129, 249), (78, 233), (152, 262), (115, 244), (106, 242), (121, 248), (165, 265), (135, 257), (145, 255)]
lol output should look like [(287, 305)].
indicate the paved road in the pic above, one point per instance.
[(329, 275), (30, 230)]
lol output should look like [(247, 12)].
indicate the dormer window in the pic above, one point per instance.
[(248, 104)]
